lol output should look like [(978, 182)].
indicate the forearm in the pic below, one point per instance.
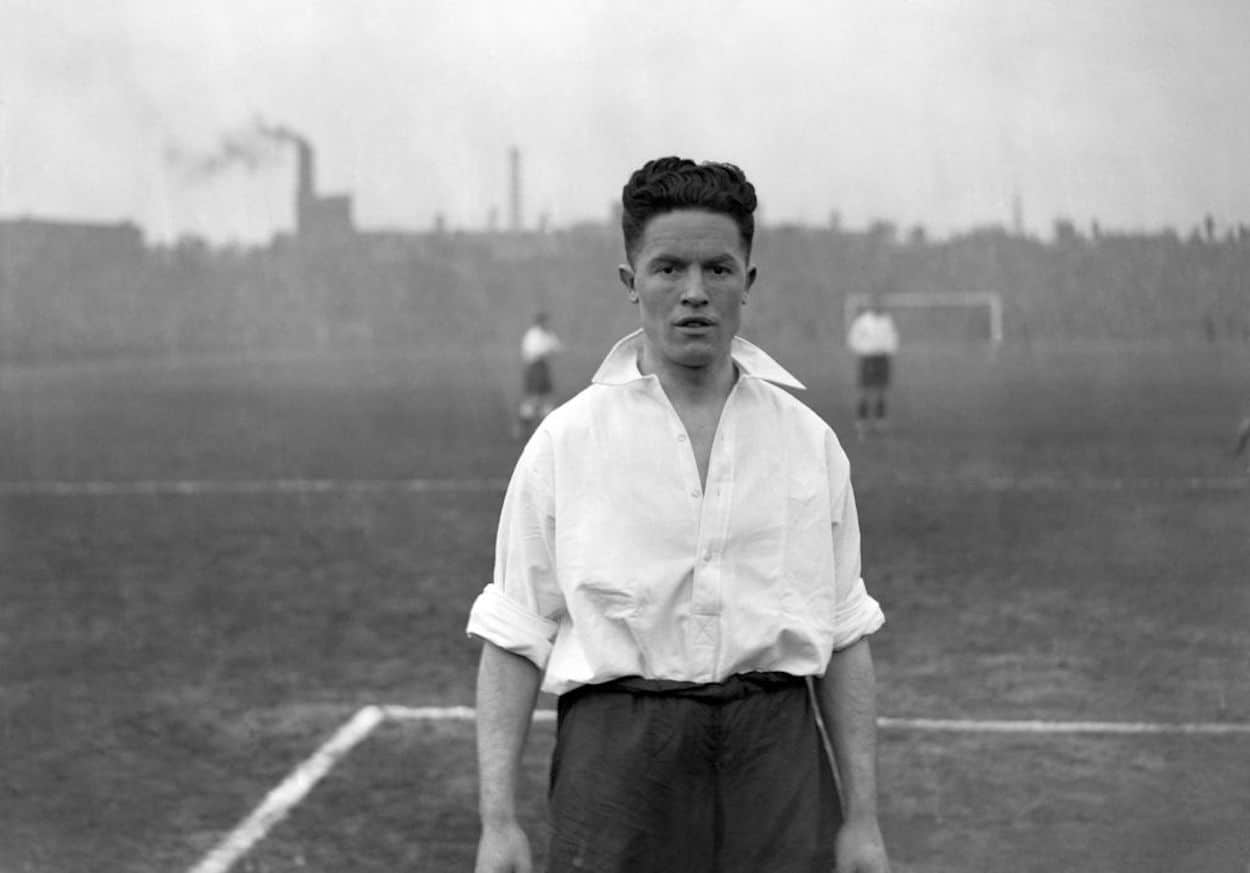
[(507, 689), (846, 695)]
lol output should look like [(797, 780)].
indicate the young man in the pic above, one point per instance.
[(874, 340), (677, 559), (538, 347)]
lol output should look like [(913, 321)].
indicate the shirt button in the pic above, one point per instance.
[(694, 493), (681, 437)]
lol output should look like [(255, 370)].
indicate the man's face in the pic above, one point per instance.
[(689, 277)]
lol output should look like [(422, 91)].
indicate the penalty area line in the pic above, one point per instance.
[(947, 725), (289, 792), (1002, 726), (299, 782)]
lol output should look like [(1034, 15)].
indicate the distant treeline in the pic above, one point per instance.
[(68, 300)]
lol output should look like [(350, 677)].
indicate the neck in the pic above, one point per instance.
[(712, 382)]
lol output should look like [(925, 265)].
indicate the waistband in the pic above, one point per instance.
[(736, 687)]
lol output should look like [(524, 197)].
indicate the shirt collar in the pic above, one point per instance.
[(621, 364)]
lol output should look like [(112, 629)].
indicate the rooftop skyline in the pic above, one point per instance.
[(933, 112)]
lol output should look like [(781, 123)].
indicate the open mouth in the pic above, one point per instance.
[(694, 321)]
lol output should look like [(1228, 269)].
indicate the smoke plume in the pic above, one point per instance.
[(277, 132), (253, 148)]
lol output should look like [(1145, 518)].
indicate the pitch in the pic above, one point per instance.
[(1055, 533)]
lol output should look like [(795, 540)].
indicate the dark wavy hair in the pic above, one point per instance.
[(667, 184)]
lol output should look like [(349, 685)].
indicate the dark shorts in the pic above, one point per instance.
[(537, 378), (724, 778), (874, 371)]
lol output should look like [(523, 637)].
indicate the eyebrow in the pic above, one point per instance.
[(724, 258), (663, 261)]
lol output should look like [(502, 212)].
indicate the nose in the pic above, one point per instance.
[(693, 292)]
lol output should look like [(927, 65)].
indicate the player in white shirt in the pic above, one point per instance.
[(678, 559), (538, 347), (873, 338)]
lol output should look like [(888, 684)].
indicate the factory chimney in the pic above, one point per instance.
[(306, 180), (306, 184), (306, 172), (514, 162)]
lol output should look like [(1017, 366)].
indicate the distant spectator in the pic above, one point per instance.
[(1243, 436), (538, 347), (873, 338)]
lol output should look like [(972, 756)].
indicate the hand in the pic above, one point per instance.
[(503, 849), (860, 848)]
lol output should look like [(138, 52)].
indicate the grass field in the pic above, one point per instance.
[(1054, 534)]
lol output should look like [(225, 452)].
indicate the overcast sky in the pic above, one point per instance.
[(1134, 112)]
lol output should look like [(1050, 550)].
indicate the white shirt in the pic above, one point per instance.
[(611, 561), (873, 333), (538, 343)]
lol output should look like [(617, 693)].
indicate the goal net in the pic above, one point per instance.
[(943, 319)]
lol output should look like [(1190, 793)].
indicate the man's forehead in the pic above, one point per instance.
[(692, 231)]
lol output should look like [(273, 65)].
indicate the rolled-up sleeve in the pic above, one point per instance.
[(519, 610), (857, 614)]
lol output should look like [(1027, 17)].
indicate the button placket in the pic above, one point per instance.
[(714, 518)]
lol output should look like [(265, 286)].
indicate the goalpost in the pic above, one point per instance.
[(948, 316)]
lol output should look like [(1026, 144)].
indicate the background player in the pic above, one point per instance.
[(873, 338), (1243, 436), (538, 347)]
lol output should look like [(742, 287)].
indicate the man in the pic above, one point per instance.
[(677, 559), (1243, 436), (874, 340), (538, 347)]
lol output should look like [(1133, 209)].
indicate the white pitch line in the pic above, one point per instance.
[(193, 487), (948, 725), (282, 799), (1048, 482), (292, 790), (162, 487), (449, 713), (958, 725)]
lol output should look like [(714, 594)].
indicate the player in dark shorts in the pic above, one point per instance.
[(693, 610), (537, 379), (874, 375), (873, 338), (538, 346)]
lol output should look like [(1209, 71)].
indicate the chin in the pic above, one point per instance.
[(697, 356)]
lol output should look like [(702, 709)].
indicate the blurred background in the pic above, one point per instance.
[(264, 272), (204, 177)]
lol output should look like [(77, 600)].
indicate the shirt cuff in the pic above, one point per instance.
[(857, 617), (498, 619)]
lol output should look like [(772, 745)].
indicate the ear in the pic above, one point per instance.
[(752, 272), (626, 274)]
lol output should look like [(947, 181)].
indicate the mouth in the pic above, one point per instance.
[(694, 322)]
